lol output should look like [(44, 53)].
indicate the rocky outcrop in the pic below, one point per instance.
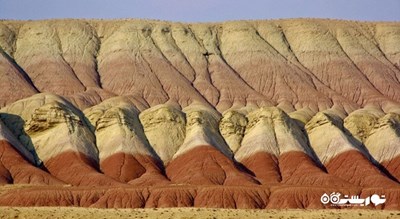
[(341, 154), (232, 127), (275, 149), (166, 121), (383, 143), (204, 158), (59, 137), (278, 163), (124, 151), (17, 165)]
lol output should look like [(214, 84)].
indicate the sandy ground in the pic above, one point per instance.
[(172, 213)]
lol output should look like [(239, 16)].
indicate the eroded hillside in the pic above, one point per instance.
[(246, 114), (293, 64)]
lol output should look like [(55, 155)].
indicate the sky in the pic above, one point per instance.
[(202, 10)]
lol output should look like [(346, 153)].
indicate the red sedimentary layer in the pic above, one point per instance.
[(355, 168), (264, 166), (392, 196), (205, 165), (297, 168), (172, 196), (393, 167), (232, 197), (304, 197), (14, 168), (5, 177), (277, 197), (136, 169), (77, 169)]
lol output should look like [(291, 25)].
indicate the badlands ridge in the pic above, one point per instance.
[(246, 114)]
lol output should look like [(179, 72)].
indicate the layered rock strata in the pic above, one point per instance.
[(294, 64), (124, 152), (241, 114)]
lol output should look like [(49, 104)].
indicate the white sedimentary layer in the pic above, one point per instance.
[(49, 125), (327, 138), (117, 128), (202, 130), (383, 142), (271, 130), (164, 127)]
